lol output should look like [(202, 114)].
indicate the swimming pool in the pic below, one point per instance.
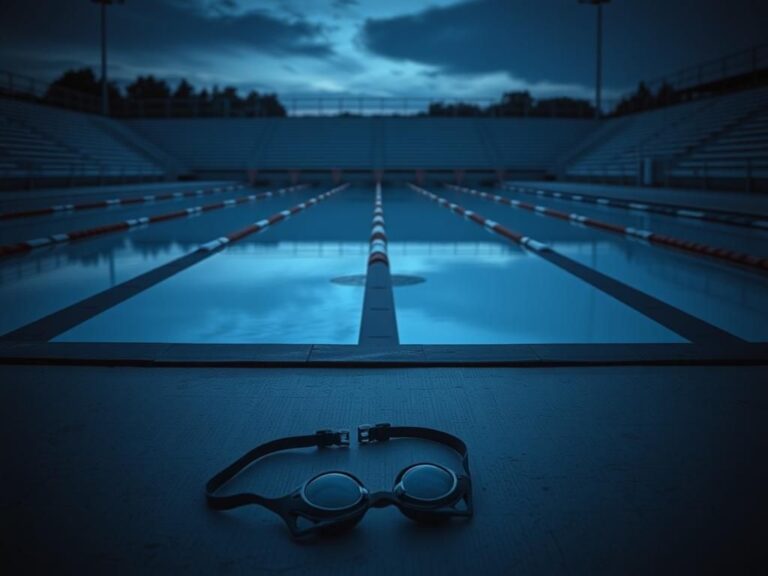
[(285, 265)]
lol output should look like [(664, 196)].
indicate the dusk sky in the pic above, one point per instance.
[(450, 48)]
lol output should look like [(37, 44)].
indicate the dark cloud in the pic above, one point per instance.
[(153, 30), (345, 3), (554, 40), (487, 36)]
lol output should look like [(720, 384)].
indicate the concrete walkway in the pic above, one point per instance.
[(576, 470)]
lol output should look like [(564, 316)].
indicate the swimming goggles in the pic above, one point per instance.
[(334, 501)]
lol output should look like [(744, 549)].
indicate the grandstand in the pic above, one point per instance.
[(51, 145), (718, 142)]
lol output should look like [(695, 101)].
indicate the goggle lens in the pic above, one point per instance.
[(427, 482), (333, 491)]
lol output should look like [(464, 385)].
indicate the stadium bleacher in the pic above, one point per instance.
[(207, 144), (41, 142), (319, 143), (682, 141), (425, 143), (533, 143), (525, 144), (740, 152), (715, 142)]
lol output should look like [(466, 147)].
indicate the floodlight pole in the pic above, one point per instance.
[(599, 74), (104, 91), (104, 86)]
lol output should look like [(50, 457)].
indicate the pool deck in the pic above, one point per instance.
[(613, 470)]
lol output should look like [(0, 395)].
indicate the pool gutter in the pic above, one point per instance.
[(336, 356)]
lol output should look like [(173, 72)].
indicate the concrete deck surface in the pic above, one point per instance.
[(623, 470)]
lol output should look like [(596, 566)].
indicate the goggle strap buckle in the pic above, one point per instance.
[(367, 434), (332, 437)]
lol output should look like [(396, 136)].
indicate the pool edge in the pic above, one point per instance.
[(298, 355)]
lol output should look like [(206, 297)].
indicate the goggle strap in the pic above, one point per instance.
[(453, 442), (221, 478)]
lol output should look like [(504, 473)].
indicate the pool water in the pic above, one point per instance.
[(302, 280)]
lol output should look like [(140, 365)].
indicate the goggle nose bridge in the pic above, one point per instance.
[(382, 499)]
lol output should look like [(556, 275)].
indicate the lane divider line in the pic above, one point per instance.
[(58, 322), (711, 215), (692, 248), (686, 325), (28, 245), (378, 325), (117, 202)]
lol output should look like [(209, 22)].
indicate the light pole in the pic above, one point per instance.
[(104, 91), (599, 79)]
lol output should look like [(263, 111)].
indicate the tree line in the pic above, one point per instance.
[(518, 104), (150, 96)]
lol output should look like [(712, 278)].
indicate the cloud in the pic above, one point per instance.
[(485, 37), (554, 41), (155, 31)]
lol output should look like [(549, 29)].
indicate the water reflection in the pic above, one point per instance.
[(509, 297), (250, 293)]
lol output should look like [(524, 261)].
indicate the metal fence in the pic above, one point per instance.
[(738, 64), (346, 106)]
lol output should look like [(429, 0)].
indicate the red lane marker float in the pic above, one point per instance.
[(28, 245), (265, 223), (378, 239), (729, 256), (117, 202), (489, 225)]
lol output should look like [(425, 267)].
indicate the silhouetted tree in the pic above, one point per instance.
[(459, 109), (271, 105), (666, 95), (641, 99), (80, 81), (148, 87), (564, 107), (514, 104), (184, 91)]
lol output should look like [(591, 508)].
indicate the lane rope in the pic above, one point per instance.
[(719, 216), (694, 248), (378, 238), (264, 223), (57, 208), (29, 245)]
